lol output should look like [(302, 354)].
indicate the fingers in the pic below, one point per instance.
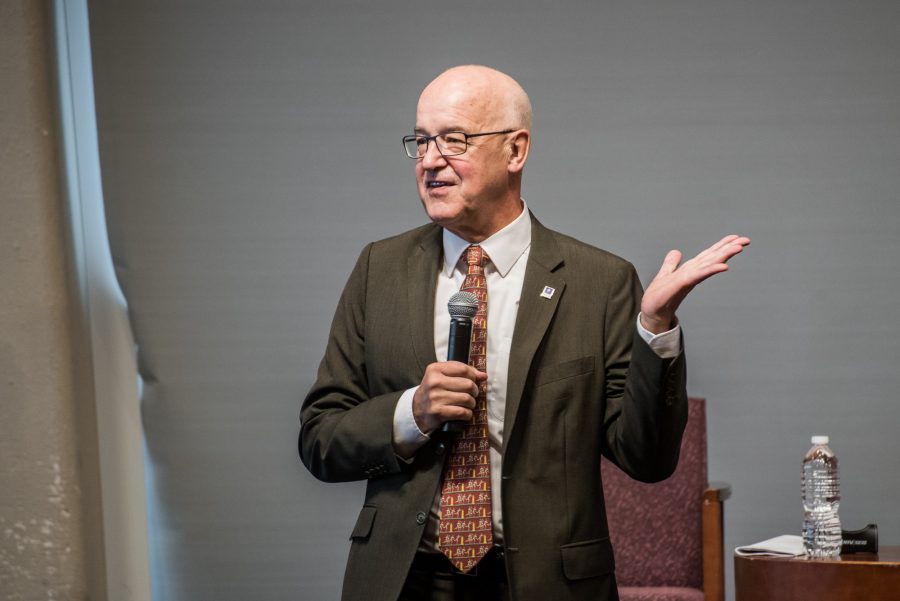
[(458, 369), (670, 263), (447, 392), (730, 245), (722, 250), (736, 246), (673, 258), (704, 270), (679, 279), (724, 241), (731, 251)]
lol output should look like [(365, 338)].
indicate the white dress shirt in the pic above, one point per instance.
[(508, 251)]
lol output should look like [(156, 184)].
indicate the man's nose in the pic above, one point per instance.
[(433, 157)]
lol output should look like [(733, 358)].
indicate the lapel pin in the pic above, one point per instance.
[(547, 292)]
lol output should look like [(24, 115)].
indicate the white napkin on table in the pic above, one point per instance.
[(786, 545)]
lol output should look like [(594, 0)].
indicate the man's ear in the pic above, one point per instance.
[(519, 146)]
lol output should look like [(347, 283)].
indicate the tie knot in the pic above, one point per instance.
[(475, 255)]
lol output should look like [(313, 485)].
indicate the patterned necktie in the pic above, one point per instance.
[(465, 534)]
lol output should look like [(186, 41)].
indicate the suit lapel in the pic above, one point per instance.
[(421, 282), (544, 268)]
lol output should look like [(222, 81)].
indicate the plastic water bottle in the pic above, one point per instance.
[(821, 498)]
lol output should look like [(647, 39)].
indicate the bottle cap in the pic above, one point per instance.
[(820, 439)]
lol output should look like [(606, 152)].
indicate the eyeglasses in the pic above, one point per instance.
[(449, 144)]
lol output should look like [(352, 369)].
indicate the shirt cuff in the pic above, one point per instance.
[(666, 345), (407, 436)]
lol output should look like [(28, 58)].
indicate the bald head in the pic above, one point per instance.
[(499, 98), (476, 191)]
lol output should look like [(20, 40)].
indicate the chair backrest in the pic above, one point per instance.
[(656, 529)]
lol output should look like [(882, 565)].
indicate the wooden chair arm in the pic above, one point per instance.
[(717, 491), (714, 541)]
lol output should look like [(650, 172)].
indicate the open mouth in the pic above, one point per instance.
[(437, 184)]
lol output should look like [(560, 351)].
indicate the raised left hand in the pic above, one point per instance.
[(673, 282)]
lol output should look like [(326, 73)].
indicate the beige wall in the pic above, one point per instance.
[(50, 541)]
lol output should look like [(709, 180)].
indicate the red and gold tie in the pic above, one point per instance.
[(465, 534)]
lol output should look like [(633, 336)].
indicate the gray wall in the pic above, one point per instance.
[(250, 149)]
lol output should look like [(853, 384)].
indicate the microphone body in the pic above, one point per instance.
[(462, 307), (460, 339)]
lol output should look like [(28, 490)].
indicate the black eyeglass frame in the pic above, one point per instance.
[(429, 139)]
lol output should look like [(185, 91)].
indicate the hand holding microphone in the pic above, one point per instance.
[(448, 390)]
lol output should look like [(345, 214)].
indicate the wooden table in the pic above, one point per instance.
[(860, 577)]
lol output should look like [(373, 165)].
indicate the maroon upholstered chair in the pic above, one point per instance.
[(668, 536)]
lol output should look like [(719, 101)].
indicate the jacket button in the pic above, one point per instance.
[(420, 518), (439, 449)]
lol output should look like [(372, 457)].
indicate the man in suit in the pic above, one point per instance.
[(571, 360)]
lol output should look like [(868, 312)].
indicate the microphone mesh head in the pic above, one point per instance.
[(463, 304)]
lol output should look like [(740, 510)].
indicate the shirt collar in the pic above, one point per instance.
[(503, 247)]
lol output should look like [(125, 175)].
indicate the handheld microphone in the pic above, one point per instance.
[(462, 307)]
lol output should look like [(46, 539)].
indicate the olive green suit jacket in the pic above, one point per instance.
[(581, 382)]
